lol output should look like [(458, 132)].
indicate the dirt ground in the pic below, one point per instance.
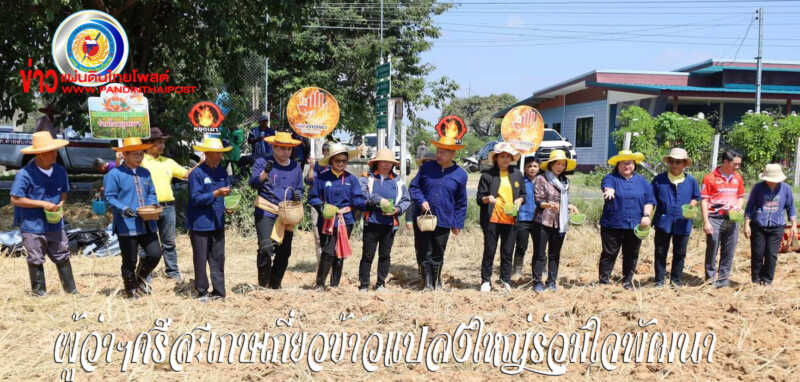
[(756, 328)]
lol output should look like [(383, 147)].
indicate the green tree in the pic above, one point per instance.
[(642, 127), (212, 44), (477, 111), (693, 134), (789, 127), (758, 139)]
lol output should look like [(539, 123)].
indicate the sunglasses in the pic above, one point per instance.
[(675, 161)]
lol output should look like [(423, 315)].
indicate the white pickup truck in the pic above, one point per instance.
[(77, 157)]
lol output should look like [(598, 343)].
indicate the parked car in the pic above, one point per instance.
[(77, 157), (551, 140), (371, 141)]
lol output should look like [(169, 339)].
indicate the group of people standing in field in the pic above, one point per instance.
[(514, 206)]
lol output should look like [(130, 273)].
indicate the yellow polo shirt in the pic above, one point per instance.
[(162, 170)]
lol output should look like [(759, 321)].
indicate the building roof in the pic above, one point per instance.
[(731, 88)]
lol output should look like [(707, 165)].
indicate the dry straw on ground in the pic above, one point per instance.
[(756, 327)]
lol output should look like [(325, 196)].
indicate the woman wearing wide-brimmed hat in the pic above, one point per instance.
[(39, 187), (129, 187), (769, 203), (387, 198), (501, 190), (420, 248), (440, 189), (673, 189), (552, 217), (335, 193), (276, 178), (629, 202), (209, 183)]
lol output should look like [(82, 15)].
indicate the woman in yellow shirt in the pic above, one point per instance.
[(501, 191)]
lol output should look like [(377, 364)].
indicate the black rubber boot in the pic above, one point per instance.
[(437, 276), (276, 278), (325, 263), (429, 281), (67, 281), (129, 282), (264, 268), (336, 272), (38, 286), (145, 267)]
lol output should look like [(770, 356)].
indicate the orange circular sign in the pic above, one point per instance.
[(312, 112), (523, 128), (206, 117)]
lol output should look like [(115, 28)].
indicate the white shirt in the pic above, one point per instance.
[(48, 172)]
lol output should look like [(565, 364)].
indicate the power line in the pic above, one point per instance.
[(743, 38), (600, 2)]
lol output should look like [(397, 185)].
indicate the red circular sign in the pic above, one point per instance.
[(206, 116), (451, 126)]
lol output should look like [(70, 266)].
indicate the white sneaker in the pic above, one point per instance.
[(486, 287)]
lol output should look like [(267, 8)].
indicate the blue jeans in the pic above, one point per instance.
[(166, 232)]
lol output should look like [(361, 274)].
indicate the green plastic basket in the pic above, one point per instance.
[(577, 219), (690, 212), (388, 207), (510, 209), (233, 200), (329, 211), (54, 217), (736, 215), (641, 233)]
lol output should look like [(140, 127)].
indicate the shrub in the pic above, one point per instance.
[(757, 139)]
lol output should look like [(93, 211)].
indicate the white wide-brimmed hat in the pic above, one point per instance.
[(679, 154), (773, 173)]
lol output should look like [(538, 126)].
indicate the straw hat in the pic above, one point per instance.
[(263, 117), (624, 155), (429, 156), (447, 143), (156, 134), (773, 173), (557, 155), (43, 142), (282, 139), (679, 154), (132, 144), (504, 147), (212, 145), (336, 149), (50, 109), (383, 155)]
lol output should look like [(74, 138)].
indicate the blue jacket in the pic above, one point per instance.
[(528, 209), (445, 190), (261, 149), (278, 180), (32, 183), (769, 208), (204, 212), (669, 200), (120, 192), (343, 191), (384, 188), (625, 211)]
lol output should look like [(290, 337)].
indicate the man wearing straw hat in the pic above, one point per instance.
[(40, 186), (163, 170), (440, 188), (276, 179), (673, 189), (770, 202), (722, 192), (128, 188), (209, 183)]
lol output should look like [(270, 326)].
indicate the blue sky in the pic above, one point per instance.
[(492, 48)]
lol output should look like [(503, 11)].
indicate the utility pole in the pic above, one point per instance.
[(382, 32), (760, 15), (266, 71)]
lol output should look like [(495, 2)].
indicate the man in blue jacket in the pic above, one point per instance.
[(440, 188), (209, 183), (256, 137), (129, 187), (276, 179), (38, 187), (673, 189)]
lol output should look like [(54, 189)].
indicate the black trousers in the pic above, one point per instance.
[(273, 258), (421, 248), (765, 242), (432, 245), (208, 247), (129, 246), (547, 243), (328, 260), (522, 230), (493, 232), (613, 239), (378, 237), (679, 243)]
